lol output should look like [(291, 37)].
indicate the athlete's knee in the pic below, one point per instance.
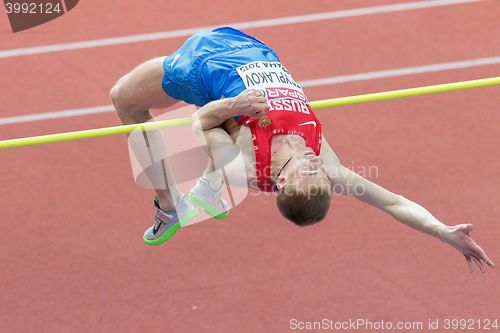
[(114, 93), (140, 89), (121, 98), (117, 91)]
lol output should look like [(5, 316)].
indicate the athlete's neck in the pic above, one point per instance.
[(283, 147)]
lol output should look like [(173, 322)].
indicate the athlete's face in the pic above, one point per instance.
[(304, 169)]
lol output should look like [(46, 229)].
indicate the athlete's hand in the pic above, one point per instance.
[(459, 237), (250, 102)]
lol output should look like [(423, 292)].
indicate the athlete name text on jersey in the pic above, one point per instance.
[(266, 74)]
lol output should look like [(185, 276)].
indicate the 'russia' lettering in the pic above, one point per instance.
[(292, 105)]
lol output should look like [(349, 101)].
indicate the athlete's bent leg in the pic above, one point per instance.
[(133, 96)]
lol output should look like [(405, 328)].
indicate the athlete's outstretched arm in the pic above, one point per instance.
[(347, 182)]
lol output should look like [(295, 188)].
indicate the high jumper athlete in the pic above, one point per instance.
[(251, 104)]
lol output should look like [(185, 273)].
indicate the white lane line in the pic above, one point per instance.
[(56, 114), (241, 25), (400, 72), (308, 83)]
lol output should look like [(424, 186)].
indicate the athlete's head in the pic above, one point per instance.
[(304, 189)]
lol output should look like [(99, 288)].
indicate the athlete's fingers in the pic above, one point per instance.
[(260, 92), (264, 110), (469, 263), (249, 95), (260, 106), (483, 256), (481, 259), (261, 113), (490, 262), (479, 264), (254, 92)]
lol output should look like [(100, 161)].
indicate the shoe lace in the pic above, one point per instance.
[(161, 218)]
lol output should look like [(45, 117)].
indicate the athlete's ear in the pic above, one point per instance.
[(280, 182)]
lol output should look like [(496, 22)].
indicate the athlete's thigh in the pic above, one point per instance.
[(142, 86)]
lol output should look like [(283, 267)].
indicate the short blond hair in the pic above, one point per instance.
[(304, 207)]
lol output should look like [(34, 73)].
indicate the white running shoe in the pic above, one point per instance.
[(209, 200)]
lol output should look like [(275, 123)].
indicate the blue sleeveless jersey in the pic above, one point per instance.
[(203, 69)]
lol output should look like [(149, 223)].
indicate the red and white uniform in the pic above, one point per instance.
[(289, 114)]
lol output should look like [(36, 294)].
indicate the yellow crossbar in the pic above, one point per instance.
[(152, 126)]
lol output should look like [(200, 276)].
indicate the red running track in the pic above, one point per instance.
[(72, 218)]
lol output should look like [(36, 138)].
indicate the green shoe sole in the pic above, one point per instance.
[(209, 209), (170, 232)]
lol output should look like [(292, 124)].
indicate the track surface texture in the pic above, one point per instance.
[(72, 218)]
